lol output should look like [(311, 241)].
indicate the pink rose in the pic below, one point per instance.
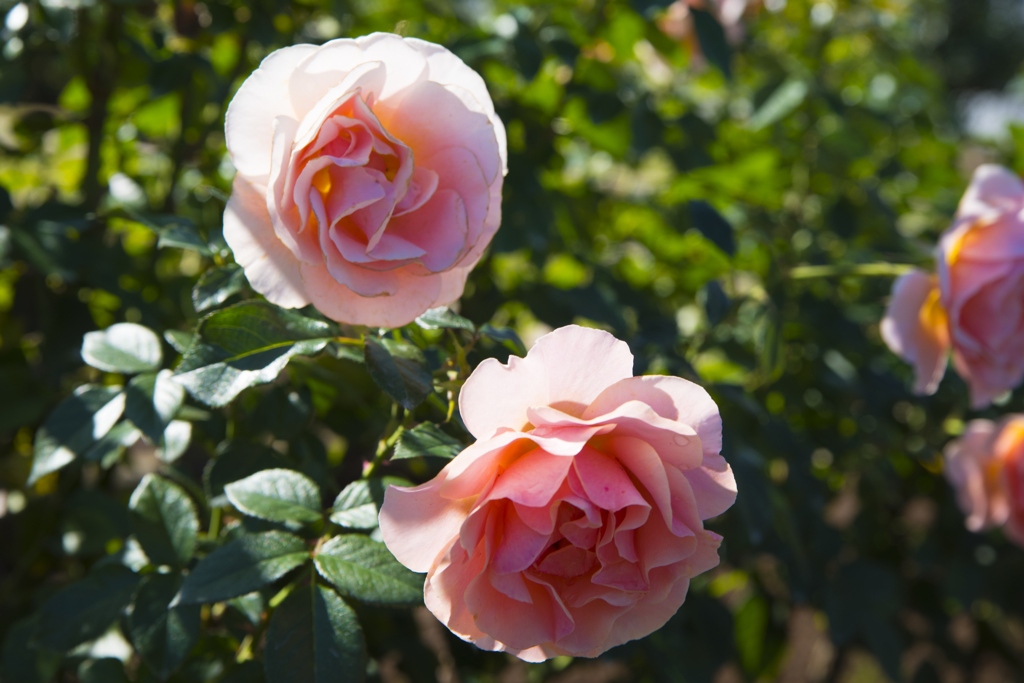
[(976, 304), (985, 466), (369, 177), (575, 522)]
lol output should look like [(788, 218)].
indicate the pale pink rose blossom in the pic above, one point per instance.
[(975, 305), (986, 469), (369, 177), (576, 521)]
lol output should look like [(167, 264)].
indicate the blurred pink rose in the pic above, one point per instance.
[(986, 469), (369, 177), (677, 20), (575, 522), (976, 304)]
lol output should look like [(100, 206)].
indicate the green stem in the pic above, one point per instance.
[(387, 442), (854, 270), (214, 523)]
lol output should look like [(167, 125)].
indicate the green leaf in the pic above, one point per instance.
[(246, 672), (107, 451), (398, 369), (22, 660), (74, 427), (85, 609), (106, 670), (426, 439), (242, 566), (166, 520), (314, 637), (277, 495), (713, 226), (125, 347), (183, 236), (151, 401), (713, 43), (751, 622), (236, 461), (176, 439), (179, 340), (216, 286), (783, 102), (505, 336), (444, 317), (246, 344), (366, 570), (162, 635), (251, 606), (358, 505)]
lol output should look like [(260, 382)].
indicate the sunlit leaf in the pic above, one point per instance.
[(74, 427), (426, 439), (166, 520), (246, 344), (366, 570), (277, 495), (125, 347)]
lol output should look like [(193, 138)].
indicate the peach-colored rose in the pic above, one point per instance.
[(369, 177), (986, 469), (976, 303), (575, 522)]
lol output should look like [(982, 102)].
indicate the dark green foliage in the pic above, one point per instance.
[(426, 439), (314, 636), (162, 635), (363, 569), (170, 441), (86, 609), (242, 566)]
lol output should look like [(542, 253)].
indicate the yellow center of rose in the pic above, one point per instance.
[(933, 315)]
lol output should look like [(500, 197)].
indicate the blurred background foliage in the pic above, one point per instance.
[(706, 183)]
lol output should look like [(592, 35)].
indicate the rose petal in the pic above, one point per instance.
[(270, 267), (559, 369), (248, 122), (967, 458), (411, 296), (926, 348), (519, 547), (993, 190), (673, 398), (421, 188), (417, 523), (456, 116), (438, 229), (533, 479), (512, 622), (444, 67), (605, 481), (675, 442)]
